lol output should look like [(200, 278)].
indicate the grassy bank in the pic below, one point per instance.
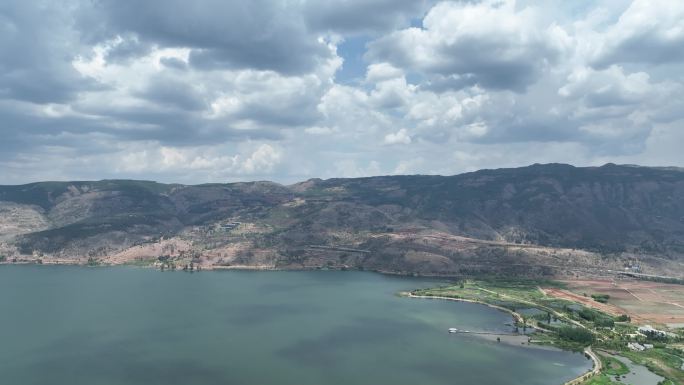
[(570, 326)]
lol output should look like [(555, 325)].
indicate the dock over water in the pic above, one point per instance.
[(455, 330)]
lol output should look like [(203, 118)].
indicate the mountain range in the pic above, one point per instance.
[(540, 220)]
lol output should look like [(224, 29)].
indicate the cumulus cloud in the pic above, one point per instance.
[(263, 159), (607, 88), (491, 44), (217, 161), (399, 137), (218, 91), (360, 16), (649, 31), (378, 72), (350, 168), (257, 34)]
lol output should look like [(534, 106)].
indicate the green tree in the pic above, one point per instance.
[(573, 334)]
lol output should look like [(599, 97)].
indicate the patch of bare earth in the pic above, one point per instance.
[(239, 254), (586, 301), (173, 247), (435, 261), (492, 254), (16, 219), (643, 301)]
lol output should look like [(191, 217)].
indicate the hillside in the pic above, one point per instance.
[(537, 220)]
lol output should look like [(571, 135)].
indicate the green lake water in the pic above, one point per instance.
[(132, 326)]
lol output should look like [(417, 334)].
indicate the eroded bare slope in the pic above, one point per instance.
[(537, 220)]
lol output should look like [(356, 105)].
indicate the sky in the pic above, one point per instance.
[(287, 90)]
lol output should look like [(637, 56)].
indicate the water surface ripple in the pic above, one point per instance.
[(130, 326)]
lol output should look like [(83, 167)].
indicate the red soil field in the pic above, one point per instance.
[(644, 302)]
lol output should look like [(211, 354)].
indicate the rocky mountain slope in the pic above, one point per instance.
[(537, 220)]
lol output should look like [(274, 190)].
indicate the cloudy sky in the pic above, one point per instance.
[(285, 90)]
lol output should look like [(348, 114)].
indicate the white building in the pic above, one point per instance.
[(648, 330), (636, 347)]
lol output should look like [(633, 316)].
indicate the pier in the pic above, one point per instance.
[(455, 330)]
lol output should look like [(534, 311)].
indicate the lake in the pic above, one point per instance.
[(115, 326)]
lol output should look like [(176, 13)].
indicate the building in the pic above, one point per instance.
[(649, 331), (229, 225), (637, 347)]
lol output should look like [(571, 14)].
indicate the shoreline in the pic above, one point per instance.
[(84, 263), (595, 370), (517, 317), (596, 362)]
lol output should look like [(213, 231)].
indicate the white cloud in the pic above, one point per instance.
[(399, 137), (262, 160), (350, 168), (91, 93), (392, 93), (492, 44), (378, 72), (649, 31), (409, 166), (607, 87)]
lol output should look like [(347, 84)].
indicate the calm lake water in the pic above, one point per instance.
[(116, 326), (638, 374)]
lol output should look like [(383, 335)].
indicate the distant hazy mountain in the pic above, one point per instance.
[(541, 219)]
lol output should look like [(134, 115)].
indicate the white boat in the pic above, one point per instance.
[(453, 330)]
